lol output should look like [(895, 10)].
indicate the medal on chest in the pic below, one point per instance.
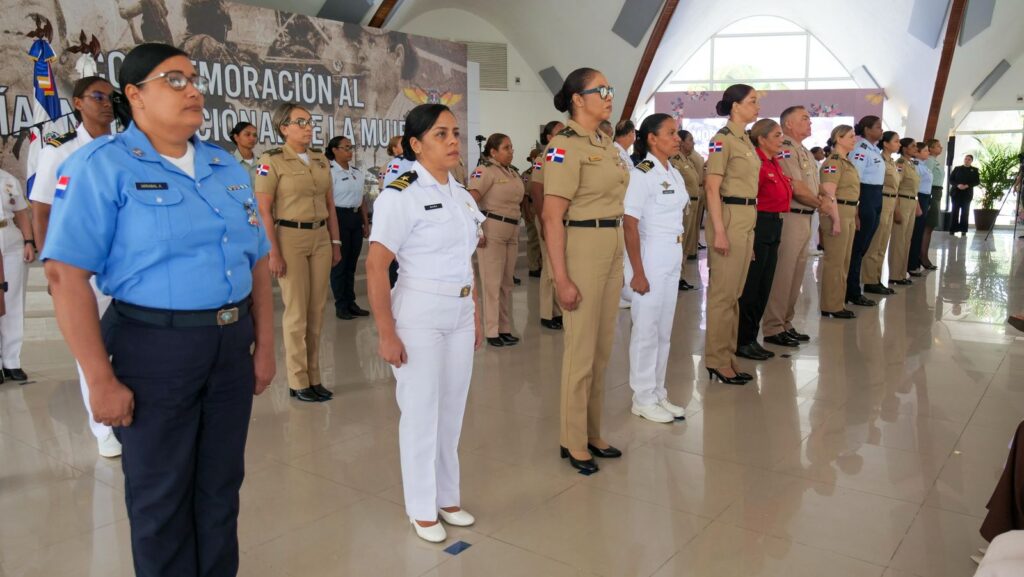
[(251, 213)]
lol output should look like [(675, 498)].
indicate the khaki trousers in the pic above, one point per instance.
[(789, 274), (533, 245), (871, 267), (836, 262), (727, 275), (691, 229), (594, 261), (304, 288), (899, 246), (497, 262), (548, 301)]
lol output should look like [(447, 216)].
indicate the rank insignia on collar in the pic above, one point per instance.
[(665, 185), (137, 152)]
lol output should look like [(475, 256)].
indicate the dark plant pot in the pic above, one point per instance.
[(985, 218)]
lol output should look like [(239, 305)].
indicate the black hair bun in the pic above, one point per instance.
[(721, 109), (561, 101)]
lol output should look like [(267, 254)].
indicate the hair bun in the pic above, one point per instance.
[(720, 108), (561, 101)]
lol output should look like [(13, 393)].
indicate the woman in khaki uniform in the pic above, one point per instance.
[(498, 189), (840, 193), (906, 209), (693, 242), (584, 188), (871, 269), (296, 202), (691, 165), (731, 188), (550, 312)]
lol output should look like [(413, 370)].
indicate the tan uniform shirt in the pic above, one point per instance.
[(698, 164), (839, 171), (799, 165), (584, 168), (459, 172), (501, 189), (731, 155), (299, 190), (537, 172), (910, 180), (692, 175)]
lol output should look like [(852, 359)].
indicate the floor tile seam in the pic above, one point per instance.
[(63, 541), (769, 469), (323, 477), (872, 493)]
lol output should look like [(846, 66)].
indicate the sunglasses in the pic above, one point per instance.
[(177, 80), (605, 92), (301, 123)]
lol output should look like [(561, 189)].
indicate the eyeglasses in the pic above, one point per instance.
[(177, 80), (99, 97), (301, 123), (347, 148), (605, 92)]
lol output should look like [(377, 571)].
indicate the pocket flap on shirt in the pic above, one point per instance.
[(154, 193)]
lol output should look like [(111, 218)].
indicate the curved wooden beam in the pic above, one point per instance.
[(956, 18), (660, 26), (382, 13)]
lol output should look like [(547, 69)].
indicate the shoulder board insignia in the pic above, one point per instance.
[(56, 141), (864, 145), (403, 182), (274, 152), (486, 162), (567, 132), (513, 168), (724, 130), (834, 157), (645, 166), (787, 142)]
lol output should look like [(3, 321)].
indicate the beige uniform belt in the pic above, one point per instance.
[(3, 223)]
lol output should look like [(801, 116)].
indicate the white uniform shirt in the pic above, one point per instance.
[(50, 158), (657, 198), (348, 186), (432, 228), (623, 155), (12, 197), (395, 167)]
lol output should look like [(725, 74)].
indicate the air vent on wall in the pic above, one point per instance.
[(493, 60)]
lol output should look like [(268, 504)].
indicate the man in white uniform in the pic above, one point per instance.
[(18, 247)]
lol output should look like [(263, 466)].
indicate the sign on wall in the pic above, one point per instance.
[(357, 82)]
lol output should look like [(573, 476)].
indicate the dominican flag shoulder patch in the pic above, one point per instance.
[(785, 154), (715, 146), (859, 156), (537, 165), (555, 155), (829, 170), (394, 168), (263, 170), (477, 173), (62, 186)]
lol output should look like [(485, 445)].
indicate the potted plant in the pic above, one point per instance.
[(997, 166)]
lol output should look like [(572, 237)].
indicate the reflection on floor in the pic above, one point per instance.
[(870, 451)]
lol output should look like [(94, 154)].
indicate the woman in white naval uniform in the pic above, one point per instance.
[(429, 325), (653, 234), (93, 107), (18, 249)]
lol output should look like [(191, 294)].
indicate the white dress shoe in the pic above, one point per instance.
[(459, 518), (109, 446), (674, 410), (653, 413), (434, 533)]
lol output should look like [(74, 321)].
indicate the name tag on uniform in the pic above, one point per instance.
[(432, 206), (345, 178), (502, 180), (150, 186), (594, 158), (234, 187), (669, 191)]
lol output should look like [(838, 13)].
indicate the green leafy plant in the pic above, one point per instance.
[(997, 167)]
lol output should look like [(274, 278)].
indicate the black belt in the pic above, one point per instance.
[(769, 215), (694, 198), (228, 315), (301, 225), (886, 194), (801, 211), (907, 197), (738, 200), (349, 208), (848, 202), (501, 218), (595, 223)]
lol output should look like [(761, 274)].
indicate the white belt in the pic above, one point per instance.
[(678, 239), (435, 287)]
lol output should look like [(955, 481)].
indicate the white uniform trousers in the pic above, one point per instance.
[(653, 314), (438, 333), (99, 430), (12, 324)]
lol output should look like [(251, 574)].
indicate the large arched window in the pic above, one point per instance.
[(767, 52)]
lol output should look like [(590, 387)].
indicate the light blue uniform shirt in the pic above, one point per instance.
[(869, 162), (348, 186), (154, 236), (926, 178)]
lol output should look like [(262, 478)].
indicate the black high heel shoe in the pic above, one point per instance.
[(322, 392), (713, 373), (307, 395), (609, 453), (588, 466), (508, 338)]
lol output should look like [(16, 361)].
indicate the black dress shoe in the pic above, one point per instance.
[(843, 314), (345, 315), (862, 301), (322, 392), (307, 395), (701, 246), (749, 352), (15, 375), (713, 374), (609, 453), (508, 339), (516, 281), (495, 341), (685, 286), (359, 312), (878, 289), (915, 274), (1, 377), (800, 337), (904, 282), (929, 266), (757, 347), (535, 273), (782, 340), (587, 466), (551, 324)]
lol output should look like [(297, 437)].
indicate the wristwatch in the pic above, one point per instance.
[(337, 242), (3, 286), (32, 242)]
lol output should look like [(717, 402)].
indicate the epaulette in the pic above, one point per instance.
[(834, 157), (485, 162), (787, 142), (900, 160), (514, 169), (567, 131), (403, 182), (864, 145), (274, 152), (645, 166), (57, 141), (724, 130)]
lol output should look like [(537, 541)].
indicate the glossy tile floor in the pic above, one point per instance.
[(870, 451)]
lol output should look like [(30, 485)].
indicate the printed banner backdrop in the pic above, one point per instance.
[(357, 82)]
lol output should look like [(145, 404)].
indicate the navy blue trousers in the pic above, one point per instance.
[(870, 212), (914, 258), (343, 274), (183, 455)]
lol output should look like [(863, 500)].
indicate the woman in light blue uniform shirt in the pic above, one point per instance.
[(168, 225)]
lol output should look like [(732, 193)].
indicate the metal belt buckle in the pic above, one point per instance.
[(465, 291), (227, 316), (679, 239)]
